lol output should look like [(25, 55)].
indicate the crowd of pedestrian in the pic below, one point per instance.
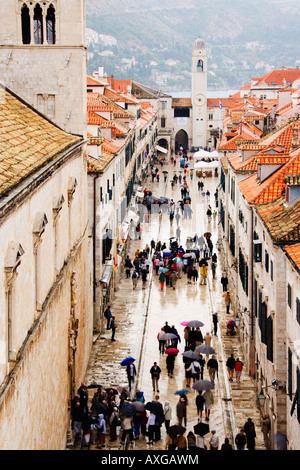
[(110, 413)]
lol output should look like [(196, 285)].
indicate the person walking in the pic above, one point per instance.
[(214, 440), (135, 277), (170, 364), (209, 401), (238, 370), (128, 265), (212, 366), (240, 440), (162, 279), (173, 279), (108, 316), (227, 299), (215, 322), (230, 364), (155, 372), (113, 423), (203, 274), (266, 428), (78, 416), (83, 397), (167, 415), (224, 281), (131, 373), (213, 270), (251, 435), (181, 411), (113, 326), (226, 445), (200, 401)]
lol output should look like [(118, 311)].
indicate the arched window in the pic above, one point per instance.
[(38, 25), (50, 24), (25, 19), (200, 66)]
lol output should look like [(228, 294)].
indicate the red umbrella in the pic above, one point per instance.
[(172, 351)]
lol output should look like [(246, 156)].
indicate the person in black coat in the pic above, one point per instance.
[(83, 397), (131, 373), (155, 372)]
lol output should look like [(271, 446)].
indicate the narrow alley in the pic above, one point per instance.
[(141, 313)]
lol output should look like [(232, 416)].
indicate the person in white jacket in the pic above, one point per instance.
[(167, 414)]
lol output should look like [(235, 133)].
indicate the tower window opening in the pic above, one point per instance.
[(50, 24), (25, 19), (200, 65), (38, 25)]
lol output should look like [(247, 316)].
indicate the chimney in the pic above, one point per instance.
[(112, 84)]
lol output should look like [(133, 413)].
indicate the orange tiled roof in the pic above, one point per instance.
[(28, 141), (111, 147), (91, 81), (282, 222), (274, 186), (95, 165), (181, 103), (278, 77), (293, 251), (93, 119)]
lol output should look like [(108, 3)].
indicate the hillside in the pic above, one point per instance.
[(154, 39)]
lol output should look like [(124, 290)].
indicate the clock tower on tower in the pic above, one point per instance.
[(199, 93)]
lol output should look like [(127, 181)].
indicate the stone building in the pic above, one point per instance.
[(43, 58), (122, 134), (259, 207), (46, 315), (46, 290)]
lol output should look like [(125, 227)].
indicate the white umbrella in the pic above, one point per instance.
[(206, 165), (201, 153)]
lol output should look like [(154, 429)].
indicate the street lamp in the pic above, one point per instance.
[(261, 399)]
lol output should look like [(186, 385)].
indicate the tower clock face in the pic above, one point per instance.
[(199, 100)]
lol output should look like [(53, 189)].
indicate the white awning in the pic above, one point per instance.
[(206, 165), (161, 149)]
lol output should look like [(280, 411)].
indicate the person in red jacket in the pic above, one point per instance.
[(238, 369)]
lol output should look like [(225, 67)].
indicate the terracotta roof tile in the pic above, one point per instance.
[(283, 223), (28, 140)]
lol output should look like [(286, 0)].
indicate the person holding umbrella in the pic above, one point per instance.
[(209, 401), (131, 373), (170, 362)]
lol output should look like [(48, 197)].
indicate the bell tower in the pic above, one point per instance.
[(43, 57), (199, 93)]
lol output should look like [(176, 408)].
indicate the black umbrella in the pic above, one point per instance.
[(165, 171), (94, 386), (194, 324), (176, 429), (201, 429), (153, 406), (128, 409), (99, 407)]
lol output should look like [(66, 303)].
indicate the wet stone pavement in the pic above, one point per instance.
[(141, 313)]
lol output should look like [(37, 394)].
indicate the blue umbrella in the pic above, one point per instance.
[(182, 392), (126, 361)]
